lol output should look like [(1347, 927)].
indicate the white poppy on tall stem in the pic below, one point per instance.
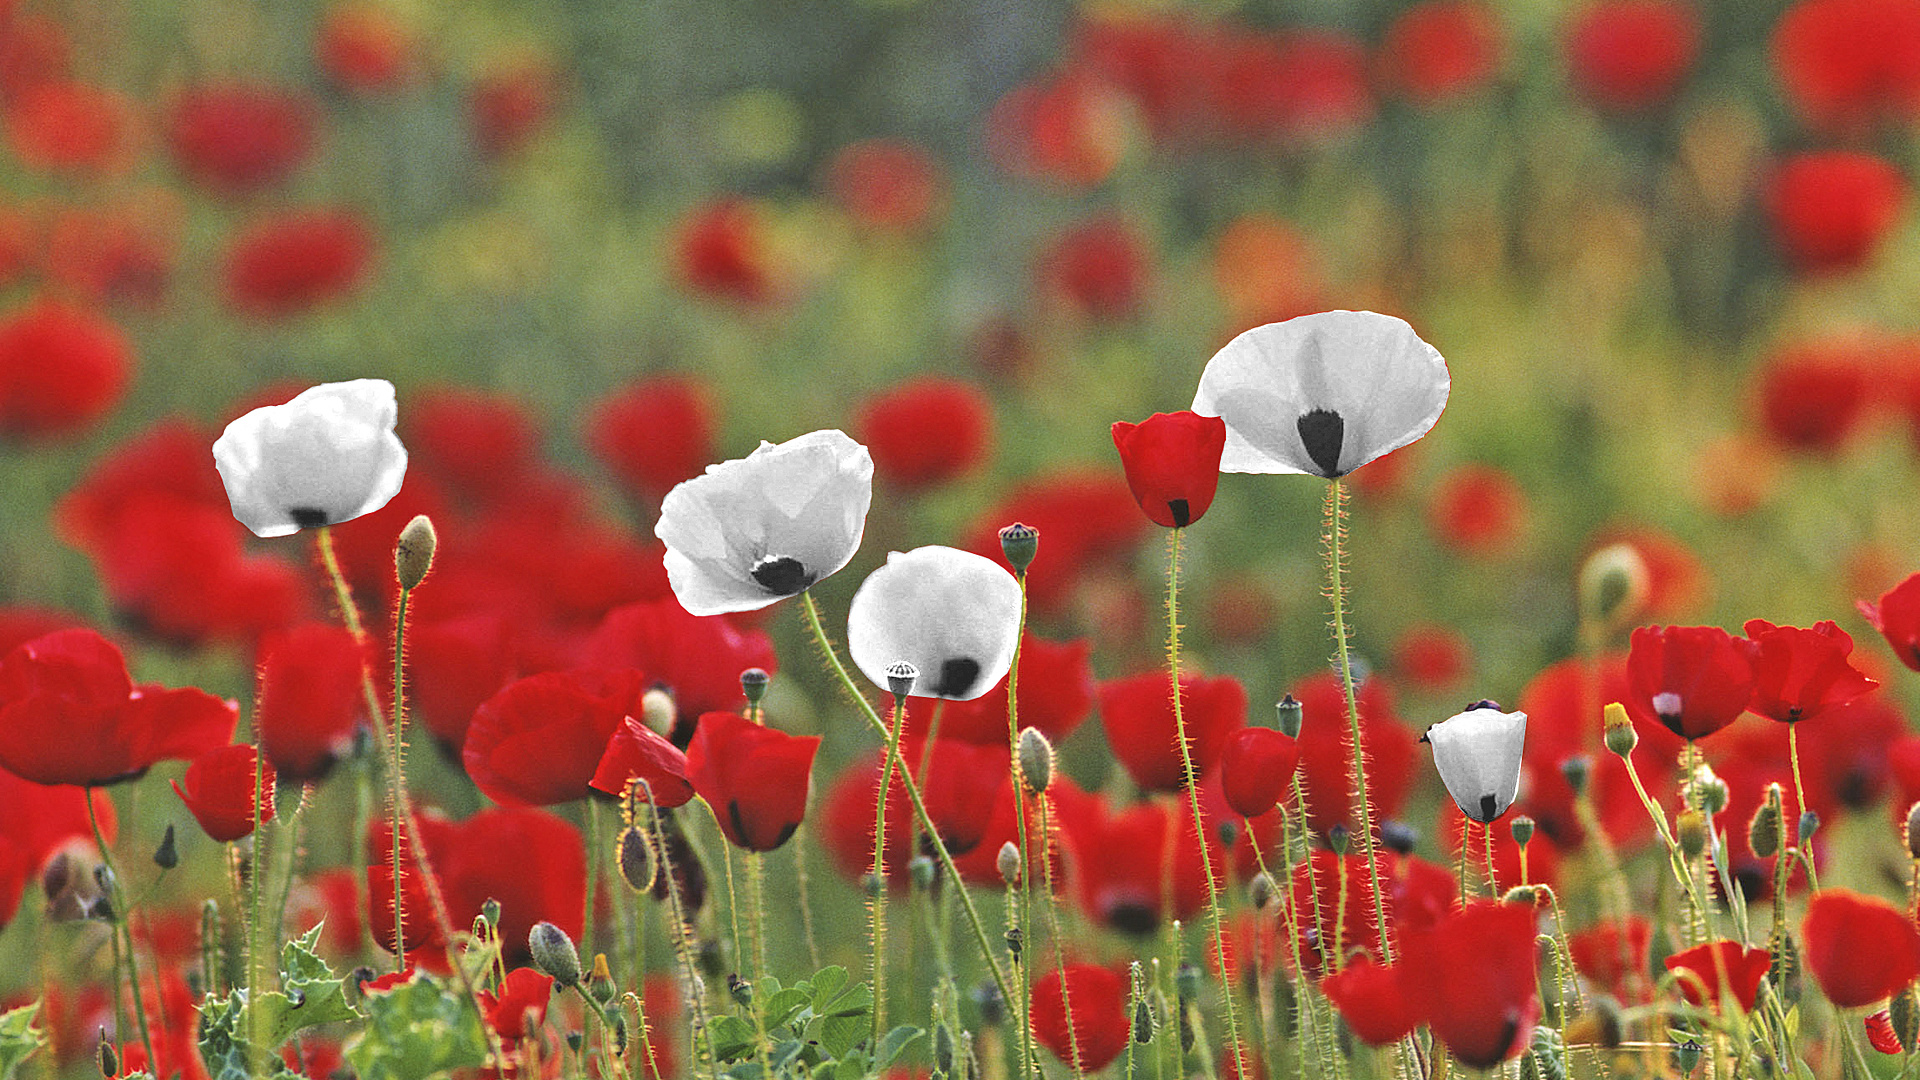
[(953, 615), (755, 530), (1478, 755), (327, 456), (1322, 394)]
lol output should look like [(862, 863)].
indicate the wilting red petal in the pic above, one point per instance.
[(1173, 464), (1370, 1001), (218, 788), (1744, 969), (1860, 949), (756, 778), (1138, 714), (1799, 673), (1692, 679), (1100, 1025), (1881, 1034), (1256, 768), (636, 752), (1472, 977), (926, 432)]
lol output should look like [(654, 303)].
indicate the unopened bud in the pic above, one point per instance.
[(554, 954), (901, 675), (104, 1055), (1913, 830), (1290, 712), (740, 990), (1036, 760), (1019, 543), (1610, 1026), (1763, 832), (1621, 738), (166, 856), (753, 683), (920, 872), (1522, 828), (1337, 838), (1016, 940), (490, 911), (1398, 836), (942, 1050), (657, 710), (1707, 791), (1142, 1022), (1809, 824), (1260, 890), (636, 859), (600, 984), (1186, 981), (576, 1039), (1904, 1011), (413, 554), (1690, 829), (1614, 583), (1686, 1056), (1525, 895), (1578, 769), (873, 883), (1008, 863)]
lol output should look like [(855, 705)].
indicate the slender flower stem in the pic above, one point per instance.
[(691, 988), (1053, 933), (877, 886), (1337, 597), (123, 928), (1021, 917), (1800, 798), (596, 843)]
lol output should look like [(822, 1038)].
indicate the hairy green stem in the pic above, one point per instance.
[(122, 927)]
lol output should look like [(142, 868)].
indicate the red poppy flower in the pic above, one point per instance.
[(1056, 694), (1744, 969), (311, 700), (1298, 84), (960, 783), (886, 185), (218, 789), (721, 250), (70, 714), (33, 51), (1432, 658), (696, 658), (1472, 976), (1121, 865), (1326, 760), (455, 664), (1137, 712), (538, 741), (62, 369), (1439, 50), (1860, 949), (1814, 396), (757, 779), (364, 48), (1256, 769), (1630, 55), (1173, 464), (1153, 59), (238, 138), (1418, 895), (118, 253), (1370, 1001), (1478, 510), (62, 126), (1087, 518), (1846, 63), (289, 263), (1079, 1013), (654, 433), (1611, 953), (926, 432), (1072, 130), (1799, 673), (1693, 679), (420, 931), (479, 446), (1097, 269), (520, 1006), (1897, 617), (1830, 208), (512, 104), (637, 752)]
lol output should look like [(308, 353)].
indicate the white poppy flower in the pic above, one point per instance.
[(1322, 394), (327, 456), (755, 530), (953, 615), (1478, 755)]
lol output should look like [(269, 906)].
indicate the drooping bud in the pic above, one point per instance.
[(554, 954), (1398, 836), (1289, 713), (920, 872), (104, 1055), (1621, 738), (166, 856), (1578, 769), (1008, 863), (1019, 543), (753, 683), (1036, 760), (657, 710), (901, 675), (1337, 839), (1913, 830), (413, 554), (636, 860), (1809, 824), (1524, 895), (600, 983), (1614, 584), (1522, 829), (1260, 890), (1690, 829), (1763, 832)]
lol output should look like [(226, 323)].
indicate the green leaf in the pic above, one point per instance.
[(311, 994), (893, 1042), (855, 1002), (839, 1034), (226, 1054), (418, 1029), (782, 1005), (19, 1038), (826, 983), (732, 1038)]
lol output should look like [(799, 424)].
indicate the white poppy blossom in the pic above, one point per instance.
[(755, 530), (1478, 755), (327, 456), (953, 615), (1322, 394)]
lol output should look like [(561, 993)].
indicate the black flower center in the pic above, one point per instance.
[(1488, 809), (781, 575), (1132, 917), (957, 676), (1182, 517), (307, 517), (1321, 431)]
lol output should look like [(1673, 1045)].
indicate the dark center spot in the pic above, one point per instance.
[(307, 517), (957, 676), (1488, 808), (1182, 517), (1321, 431), (1133, 918), (781, 575)]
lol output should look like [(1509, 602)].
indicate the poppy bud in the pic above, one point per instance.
[(657, 710), (1577, 769), (1008, 863), (943, 1050), (920, 872), (1809, 824), (1289, 713), (1691, 830), (1523, 895), (490, 911), (1019, 543), (1398, 836), (1016, 940), (1614, 584), (1228, 833), (901, 676), (1707, 791), (1186, 982), (166, 856), (554, 954), (1621, 737), (1913, 830), (753, 683), (1686, 1056), (1904, 1011), (104, 1056), (413, 555), (1036, 760), (1260, 890), (1763, 832), (739, 989), (1522, 828), (636, 860), (600, 984), (712, 957), (873, 883), (1337, 838)]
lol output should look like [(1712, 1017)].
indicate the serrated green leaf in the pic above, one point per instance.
[(782, 1005), (855, 1002), (418, 1029), (731, 1037), (839, 1034), (893, 1042), (19, 1038), (825, 984), (786, 1053), (226, 1054)]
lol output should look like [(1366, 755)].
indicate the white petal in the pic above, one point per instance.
[(1477, 754), (952, 614), (328, 456)]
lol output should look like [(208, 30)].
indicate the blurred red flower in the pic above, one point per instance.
[(886, 185), (720, 249), (1326, 762), (1897, 616), (960, 783), (1440, 50), (310, 700), (218, 789), (70, 714), (1613, 955), (1831, 208), (1418, 895), (1086, 517), (1432, 658), (1079, 1013), (1172, 461), (1631, 55), (1799, 673), (926, 431), (1137, 713), (1814, 396), (364, 48), (637, 752), (1861, 949), (1266, 270), (1371, 1001), (1056, 694), (512, 104), (1744, 969), (1121, 864), (1847, 63), (455, 663), (236, 138), (63, 368), (1072, 129), (653, 433), (1478, 510), (1097, 269), (537, 742), (1563, 705), (76, 127), (288, 263), (479, 446), (120, 252), (1543, 856), (1693, 679), (1472, 977), (1297, 84), (756, 779), (34, 51)]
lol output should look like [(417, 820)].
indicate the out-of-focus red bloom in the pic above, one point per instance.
[(1256, 768), (1847, 763), (310, 698), (1478, 510), (364, 48), (925, 432), (1744, 969), (1814, 396), (1081, 1015), (1097, 269), (478, 445), (72, 127), (512, 104), (1630, 55), (886, 185), (122, 252), (22, 241), (721, 249), (1121, 860), (1266, 270), (756, 778), (1172, 462), (637, 752), (238, 138), (289, 263), (1087, 518), (538, 741), (654, 433), (1831, 208), (1326, 760), (1137, 712), (520, 1005), (1056, 694), (1471, 977), (1370, 1001), (1613, 956), (1386, 476), (34, 51), (1897, 617), (456, 662), (1847, 63), (1563, 704), (70, 714), (1432, 658), (1418, 895), (1072, 129), (1440, 50), (1297, 84), (1798, 673), (21, 624), (696, 658), (961, 785), (218, 788), (41, 820), (1159, 61), (1861, 949), (1693, 679), (62, 369)]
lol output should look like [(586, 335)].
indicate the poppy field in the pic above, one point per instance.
[(959, 541)]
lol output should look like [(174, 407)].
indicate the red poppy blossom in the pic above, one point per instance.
[(1478, 510), (1744, 969), (116, 253), (34, 51), (63, 368), (1137, 712), (1297, 84), (1847, 63), (72, 127), (1370, 1001), (539, 740), (1098, 269), (1612, 954), (1440, 50), (886, 185), (721, 250), (1693, 679), (1326, 757), (1897, 617), (364, 48), (1418, 895), (512, 104), (961, 785), (456, 663), (1432, 658), (1798, 673), (654, 433), (1056, 694), (1814, 396), (755, 778), (238, 138), (217, 789), (926, 432), (637, 752), (289, 263), (1173, 464), (1860, 949), (1831, 208), (1087, 518), (1256, 769), (311, 701), (479, 446), (1630, 55), (1472, 976), (1073, 129), (1079, 1013), (696, 658), (520, 1005)]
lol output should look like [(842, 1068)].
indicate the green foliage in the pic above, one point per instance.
[(19, 1038), (817, 1028), (234, 1034), (421, 1028)]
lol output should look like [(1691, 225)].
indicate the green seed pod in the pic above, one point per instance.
[(1019, 543), (1036, 760), (1690, 830), (1290, 713), (1809, 824), (901, 675), (1763, 832), (1337, 838), (920, 872), (636, 859), (1524, 895), (1686, 1056), (740, 990), (413, 554), (753, 683), (490, 911), (1522, 829), (554, 954), (1578, 768), (104, 1055)]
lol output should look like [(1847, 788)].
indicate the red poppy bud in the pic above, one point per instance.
[(1173, 464), (1881, 1034), (217, 786), (1256, 768)]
